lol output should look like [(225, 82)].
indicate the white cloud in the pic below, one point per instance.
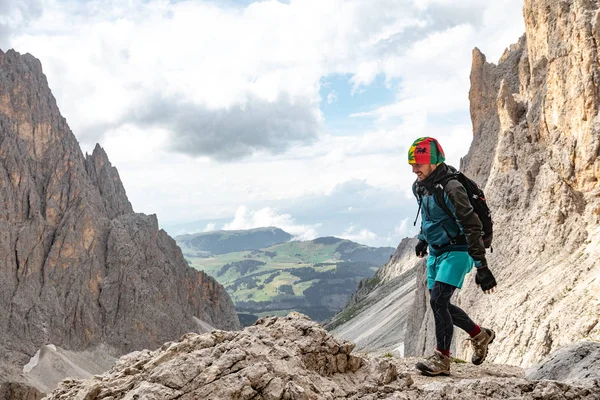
[(265, 217), (362, 236), (365, 236), (405, 229), (223, 72), (233, 133), (211, 226), (105, 60), (358, 172), (16, 15), (332, 97)]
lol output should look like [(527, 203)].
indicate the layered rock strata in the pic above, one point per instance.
[(78, 267), (538, 144), (377, 315), (535, 148)]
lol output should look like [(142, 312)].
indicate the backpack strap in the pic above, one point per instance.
[(438, 195), (419, 210)]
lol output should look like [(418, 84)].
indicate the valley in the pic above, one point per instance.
[(314, 277)]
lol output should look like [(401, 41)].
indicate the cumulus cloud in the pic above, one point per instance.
[(231, 80), (405, 229), (362, 236), (434, 65), (359, 211), (264, 58), (444, 14), (16, 15), (353, 210), (234, 132), (265, 217), (366, 236), (211, 226)]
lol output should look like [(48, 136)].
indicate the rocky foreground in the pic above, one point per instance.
[(294, 358)]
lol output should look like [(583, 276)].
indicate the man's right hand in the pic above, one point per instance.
[(421, 249)]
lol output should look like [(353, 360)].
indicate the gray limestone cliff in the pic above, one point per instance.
[(535, 151), (542, 173), (79, 268)]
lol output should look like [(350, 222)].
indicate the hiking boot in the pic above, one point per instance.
[(480, 345), (436, 364)]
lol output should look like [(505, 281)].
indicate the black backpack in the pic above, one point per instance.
[(477, 200)]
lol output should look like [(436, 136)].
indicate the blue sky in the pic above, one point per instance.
[(341, 100), (241, 114)]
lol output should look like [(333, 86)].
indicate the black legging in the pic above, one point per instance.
[(447, 315)]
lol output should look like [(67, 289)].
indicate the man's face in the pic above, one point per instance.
[(423, 170)]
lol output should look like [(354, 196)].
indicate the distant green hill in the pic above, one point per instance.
[(222, 242), (314, 277)]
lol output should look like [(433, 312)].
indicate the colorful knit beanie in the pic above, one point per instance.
[(426, 150)]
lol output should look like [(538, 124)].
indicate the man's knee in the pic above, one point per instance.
[(439, 298)]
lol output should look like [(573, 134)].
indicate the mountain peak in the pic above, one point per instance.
[(80, 269)]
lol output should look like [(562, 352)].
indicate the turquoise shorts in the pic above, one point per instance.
[(450, 267)]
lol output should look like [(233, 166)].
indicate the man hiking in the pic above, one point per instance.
[(454, 242)]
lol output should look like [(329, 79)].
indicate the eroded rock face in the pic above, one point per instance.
[(294, 358), (404, 259), (19, 391), (535, 152), (276, 358), (78, 267), (377, 315), (538, 144), (572, 362)]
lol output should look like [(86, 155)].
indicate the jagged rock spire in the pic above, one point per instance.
[(78, 267)]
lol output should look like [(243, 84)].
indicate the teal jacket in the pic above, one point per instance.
[(460, 232)]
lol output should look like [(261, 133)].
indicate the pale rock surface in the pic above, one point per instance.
[(575, 361), (377, 315), (293, 358), (542, 184), (78, 267), (51, 364), (404, 259), (377, 322), (535, 151)]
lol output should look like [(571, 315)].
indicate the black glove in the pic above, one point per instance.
[(421, 248), (485, 279)]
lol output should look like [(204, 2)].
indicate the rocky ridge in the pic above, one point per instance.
[(294, 358), (79, 268)]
